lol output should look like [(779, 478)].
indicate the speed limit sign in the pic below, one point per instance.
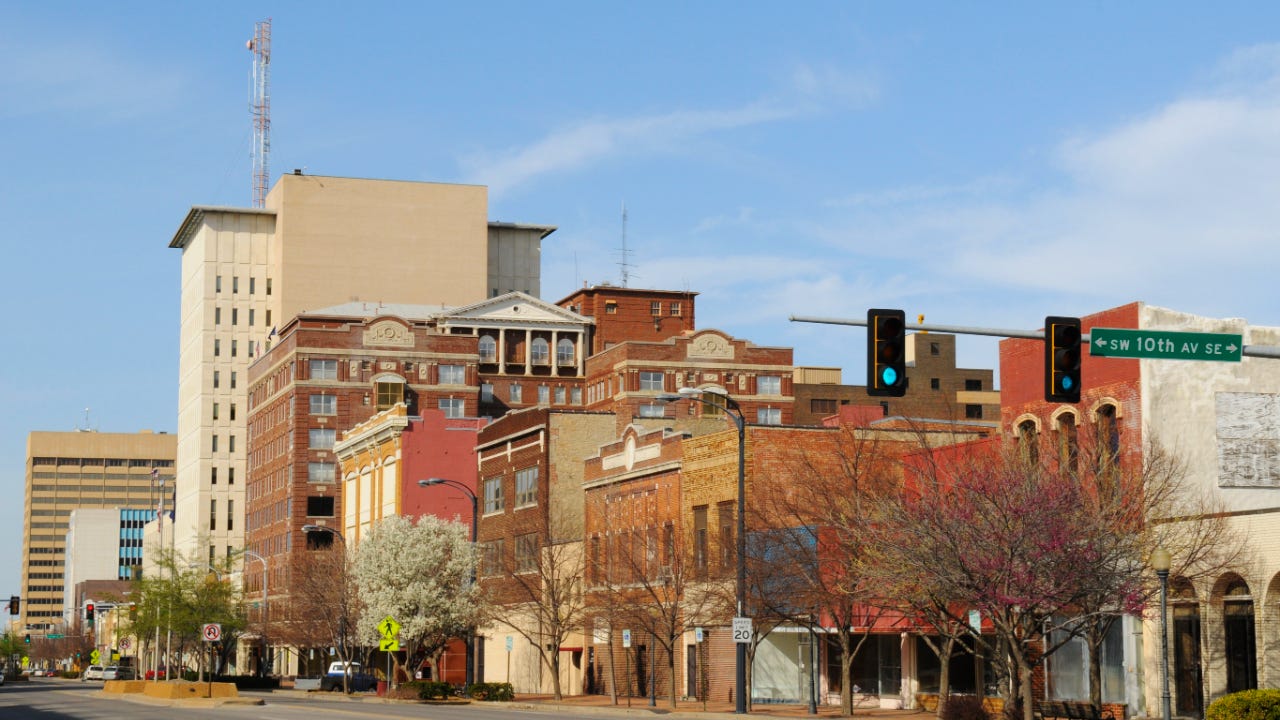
[(742, 630), (212, 632)]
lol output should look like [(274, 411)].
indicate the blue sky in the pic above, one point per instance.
[(978, 163)]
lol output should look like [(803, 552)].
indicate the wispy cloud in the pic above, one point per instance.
[(76, 78)]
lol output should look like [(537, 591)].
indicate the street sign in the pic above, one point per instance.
[(55, 636), (389, 627), (389, 645), (510, 643), (742, 630), (212, 632), (94, 657), (697, 635), (124, 643), (1165, 345), (626, 638)]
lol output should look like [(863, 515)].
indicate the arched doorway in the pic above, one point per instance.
[(1240, 644), (1188, 688)]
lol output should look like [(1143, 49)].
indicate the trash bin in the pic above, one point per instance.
[(382, 688)]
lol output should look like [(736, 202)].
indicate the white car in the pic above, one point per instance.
[(93, 672), (115, 672)]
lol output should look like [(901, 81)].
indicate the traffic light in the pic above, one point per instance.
[(26, 639), (886, 353), (88, 613), (1062, 359), (14, 600)]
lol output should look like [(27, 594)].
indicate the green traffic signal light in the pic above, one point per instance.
[(886, 353), (1062, 351)]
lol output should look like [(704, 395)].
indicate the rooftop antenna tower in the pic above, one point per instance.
[(625, 262), (260, 108)]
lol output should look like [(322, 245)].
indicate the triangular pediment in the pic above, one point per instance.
[(513, 308)]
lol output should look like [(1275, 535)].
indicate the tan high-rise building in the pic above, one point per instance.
[(71, 470), (318, 242)]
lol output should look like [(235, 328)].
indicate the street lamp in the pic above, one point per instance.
[(309, 529), (470, 677), (1160, 562), (263, 658), (731, 408)]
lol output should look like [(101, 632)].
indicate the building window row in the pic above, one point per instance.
[(235, 284)]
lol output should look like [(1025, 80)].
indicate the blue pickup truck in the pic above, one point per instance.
[(357, 679)]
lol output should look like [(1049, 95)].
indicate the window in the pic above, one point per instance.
[(564, 352), (321, 472), (934, 349), (700, 539), (650, 380), (235, 316), (973, 412), (935, 384), (610, 307), (714, 405), (231, 513), (320, 506), (655, 308), (452, 407), (653, 410), (544, 395), (491, 558), (233, 411), (486, 392), (493, 495), (215, 443), (251, 284), (324, 404), (231, 444), (235, 284), (250, 317), (540, 352), (823, 406), (213, 515), (324, 369), (268, 289), (973, 385), (213, 476), (217, 347), (675, 309), (234, 344), (1108, 439), (217, 284), (769, 416), (488, 349), (215, 411), (527, 487), (217, 316), (575, 396), (1029, 441), (233, 380), (560, 395), (268, 322), (389, 394), (1068, 448), (769, 385), (321, 438), (453, 375), (216, 375), (724, 513), (231, 476), (526, 553), (515, 393)]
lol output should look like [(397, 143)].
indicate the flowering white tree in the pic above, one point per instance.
[(421, 575)]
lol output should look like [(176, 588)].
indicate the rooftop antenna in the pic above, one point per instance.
[(260, 108), (625, 262), (87, 427)]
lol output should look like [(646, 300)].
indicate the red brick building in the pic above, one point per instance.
[(622, 314)]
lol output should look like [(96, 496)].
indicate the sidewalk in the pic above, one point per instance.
[(695, 709)]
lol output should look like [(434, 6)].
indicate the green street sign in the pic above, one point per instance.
[(1165, 345), (55, 636)]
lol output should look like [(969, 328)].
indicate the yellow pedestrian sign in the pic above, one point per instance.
[(389, 627), (94, 657), (389, 645)]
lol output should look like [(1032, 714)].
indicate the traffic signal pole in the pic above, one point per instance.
[(1263, 351)]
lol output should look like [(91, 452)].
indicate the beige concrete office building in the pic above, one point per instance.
[(318, 242), (71, 470)]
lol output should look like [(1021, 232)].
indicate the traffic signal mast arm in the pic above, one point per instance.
[(1264, 351)]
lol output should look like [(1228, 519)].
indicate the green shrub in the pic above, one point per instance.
[(964, 707), (498, 692), (1246, 705), (429, 689)]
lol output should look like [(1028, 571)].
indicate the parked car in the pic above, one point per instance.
[(357, 679), (93, 672), (116, 672)]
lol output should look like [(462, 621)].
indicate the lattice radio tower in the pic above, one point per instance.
[(260, 108)]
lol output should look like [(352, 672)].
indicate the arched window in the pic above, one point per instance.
[(488, 349), (564, 352), (1238, 634), (1029, 441), (1068, 444), (1107, 437), (540, 352)]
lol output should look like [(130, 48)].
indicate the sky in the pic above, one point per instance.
[(982, 164)]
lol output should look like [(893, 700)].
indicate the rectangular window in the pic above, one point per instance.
[(215, 411), (453, 375), (452, 407), (560, 395), (268, 322), (935, 384), (268, 292), (215, 443), (321, 472), (324, 369), (700, 539), (213, 476), (516, 393), (769, 385), (610, 307), (973, 412), (217, 284), (235, 316), (565, 352), (250, 317), (233, 411), (217, 347), (213, 515), (486, 392), (491, 558), (493, 495), (973, 385), (231, 444), (216, 375), (389, 394), (527, 487), (320, 506), (724, 513), (235, 284), (575, 396), (650, 380), (653, 411), (769, 416), (675, 309), (233, 380), (526, 553), (233, 348), (231, 513), (321, 438), (544, 395), (217, 316), (324, 404), (251, 284), (231, 476), (655, 308), (822, 406)]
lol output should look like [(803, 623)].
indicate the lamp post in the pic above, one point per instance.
[(1161, 562), (262, 659), (731, 408), (470, 677)]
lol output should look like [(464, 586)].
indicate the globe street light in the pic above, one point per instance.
[(470, 677), (731, 408), (1161, 562)]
